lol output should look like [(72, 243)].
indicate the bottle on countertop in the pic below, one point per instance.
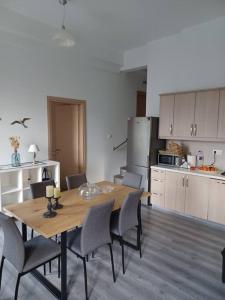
[(200, 158)]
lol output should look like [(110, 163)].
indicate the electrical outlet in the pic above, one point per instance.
[(217, 151)]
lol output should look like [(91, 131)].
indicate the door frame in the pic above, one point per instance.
[(51, 100)]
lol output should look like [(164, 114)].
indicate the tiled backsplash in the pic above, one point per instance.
[(207, 148)]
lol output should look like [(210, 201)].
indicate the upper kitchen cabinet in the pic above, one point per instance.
[(221, 121), (206, 114), (166, 116), (184, 112)]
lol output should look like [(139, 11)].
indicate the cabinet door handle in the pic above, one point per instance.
[(156, 194), (191, 129), (187, 182), (195, 130), (183, 181), (220, 182), (154, 179), (171, 129)]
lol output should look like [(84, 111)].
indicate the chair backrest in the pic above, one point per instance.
[(38, 189), (75, 181), (128, 212), (96, 227), (13, 248), (132, 180)]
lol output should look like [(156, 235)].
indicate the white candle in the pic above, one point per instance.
[(57, 193), (49, 191)]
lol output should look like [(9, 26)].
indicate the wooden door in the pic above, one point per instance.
[(67, 136), (206, 114), (175, 191), (221, 122), (184, 111), (141, 104), (166, 116), (216, 210), (196, 202)]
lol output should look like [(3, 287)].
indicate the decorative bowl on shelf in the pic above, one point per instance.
[(89, 190)]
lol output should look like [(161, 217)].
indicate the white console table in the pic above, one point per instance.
[(15, 181)]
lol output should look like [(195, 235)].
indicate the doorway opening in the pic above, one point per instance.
[(141, 93), (67, 135)]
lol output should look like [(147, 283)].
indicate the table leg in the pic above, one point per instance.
[(64, 265), (24, 232)]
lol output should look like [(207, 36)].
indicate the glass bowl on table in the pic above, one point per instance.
[(89, 190)]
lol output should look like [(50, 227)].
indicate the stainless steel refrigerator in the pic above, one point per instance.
[(142, 147)]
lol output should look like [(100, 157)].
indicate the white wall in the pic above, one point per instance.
[(29, 75), (193, 59)]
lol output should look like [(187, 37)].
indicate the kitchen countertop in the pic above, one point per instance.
[(187, 171)]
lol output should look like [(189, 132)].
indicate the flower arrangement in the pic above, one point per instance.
[(15, 142), (15, 157)]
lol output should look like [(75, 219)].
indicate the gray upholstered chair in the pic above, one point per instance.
[(132, 180), (38, 189), (25, 256), (94, 233), (125, 220), (75, 181)]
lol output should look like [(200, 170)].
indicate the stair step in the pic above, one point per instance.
[(118, 179), (123, 170)]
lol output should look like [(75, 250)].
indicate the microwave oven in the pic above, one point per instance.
[(169, 160)]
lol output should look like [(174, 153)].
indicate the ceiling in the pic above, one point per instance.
[(116, 25)]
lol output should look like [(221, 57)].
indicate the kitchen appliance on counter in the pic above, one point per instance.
[(167, 159), (191, 160), (143, 146)]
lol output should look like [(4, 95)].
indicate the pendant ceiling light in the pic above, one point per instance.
[(62, 37)]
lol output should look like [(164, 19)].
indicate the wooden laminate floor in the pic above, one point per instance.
[(181, 261)]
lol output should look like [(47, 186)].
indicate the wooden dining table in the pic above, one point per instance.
[(30, 213)]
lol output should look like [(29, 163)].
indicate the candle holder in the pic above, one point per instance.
[(49, 213), (57, 205)]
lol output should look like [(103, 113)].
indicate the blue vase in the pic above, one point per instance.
[(15, 159)]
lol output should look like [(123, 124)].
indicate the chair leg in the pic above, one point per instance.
[(112, 262), (50, 267), (59, 268), (32, 233), (122, 247), (139, 239), (85, 277), (93, 254), (1, 269), (44, 267), (17, 286), (139, 217), (87, 258)]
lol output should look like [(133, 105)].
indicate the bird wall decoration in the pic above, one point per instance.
[(21, 122)]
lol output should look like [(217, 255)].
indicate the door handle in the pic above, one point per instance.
[(183, 181), (156, 194), (57, 150), (154, 179), (191, 129), (187, 182), (195, 130), (171, 129)]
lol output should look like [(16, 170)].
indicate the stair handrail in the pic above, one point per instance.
[(121, 144)]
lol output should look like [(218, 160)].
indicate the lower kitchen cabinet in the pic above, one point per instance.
[(216, 209), (194, 195), (157, 188), (196, 202), (175, 191)]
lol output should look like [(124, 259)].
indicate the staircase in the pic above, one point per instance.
[(119, 177)]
